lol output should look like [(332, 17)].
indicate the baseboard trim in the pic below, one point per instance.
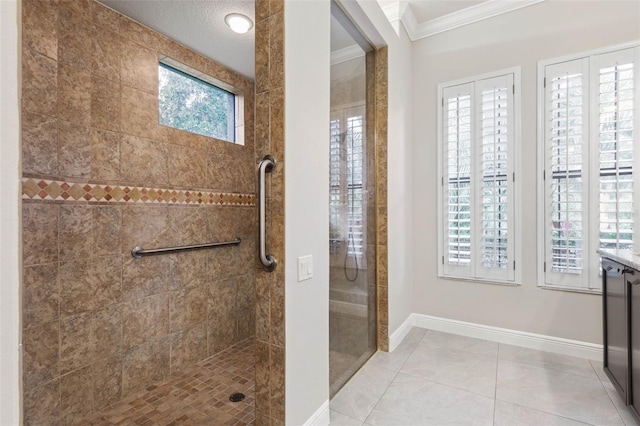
[(321, 417), (524, 339), (401, 332)]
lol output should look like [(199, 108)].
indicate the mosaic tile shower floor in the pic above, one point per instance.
[(198, 396)]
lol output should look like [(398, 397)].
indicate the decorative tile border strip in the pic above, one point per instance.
[(41, 189)]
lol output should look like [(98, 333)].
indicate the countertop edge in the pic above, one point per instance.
[(626, 257)]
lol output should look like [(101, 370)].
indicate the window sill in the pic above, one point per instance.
[(570, 289), (480, 281)]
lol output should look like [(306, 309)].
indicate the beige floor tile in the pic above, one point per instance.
[(548, 360), (623, 410), (339, 419), (567, 395), (469, 364), (507, 414), (412, 401), (358, 397)]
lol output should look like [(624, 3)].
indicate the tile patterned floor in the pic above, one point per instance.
[(436, 378), (198, 396)]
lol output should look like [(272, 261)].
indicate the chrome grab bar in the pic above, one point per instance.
[(267, 165), (138, 252)]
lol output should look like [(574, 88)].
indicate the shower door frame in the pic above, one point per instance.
[(376, 111)]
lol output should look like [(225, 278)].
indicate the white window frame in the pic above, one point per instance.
[(514, 276), (590, 279), (238, 112)]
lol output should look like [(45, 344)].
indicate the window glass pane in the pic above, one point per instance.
[(190, 104)]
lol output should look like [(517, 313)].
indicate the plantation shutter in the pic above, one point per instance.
[(347, 186), (566, 181), (457, 179), (477, 145), (494, 212), (614, 85), (335, 201), (591, 114), (354, 121)]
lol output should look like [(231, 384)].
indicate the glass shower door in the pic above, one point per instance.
[(352, 297)]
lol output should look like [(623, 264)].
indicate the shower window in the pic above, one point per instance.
[(347, 189), (195, 102)]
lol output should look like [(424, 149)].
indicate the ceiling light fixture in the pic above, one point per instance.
[(238, 23)]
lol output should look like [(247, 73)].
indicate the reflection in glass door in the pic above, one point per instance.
[(352, 298)]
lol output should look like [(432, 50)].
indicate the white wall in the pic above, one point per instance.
[(399, 162), (307, 62), (9, 215), (521, 38), (400, 184)]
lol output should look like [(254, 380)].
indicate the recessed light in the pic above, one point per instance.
[(238, 23)]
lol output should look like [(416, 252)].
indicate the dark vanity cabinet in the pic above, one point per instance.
[(616, 311), (633, 286), (621, 315)]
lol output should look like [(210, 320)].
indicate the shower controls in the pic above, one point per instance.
[(305, 268)]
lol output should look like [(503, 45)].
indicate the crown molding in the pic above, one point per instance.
[(398, 12), (346, 54), (392, 11)]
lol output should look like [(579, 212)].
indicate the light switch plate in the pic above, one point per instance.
[(305, 268)]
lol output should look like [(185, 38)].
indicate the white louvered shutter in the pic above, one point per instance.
[(354, 123), (494, 209), (347, 203), (614, 82), (591, 114), (458, 187), (335, 201), (566, 183)]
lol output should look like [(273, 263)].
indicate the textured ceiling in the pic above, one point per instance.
[(198, 25)]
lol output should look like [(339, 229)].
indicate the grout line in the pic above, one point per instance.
[(382, 395), (364, 422), (435, 381), (611, 399), (495, 390), (551, 370), (395, 375), (548, 413)]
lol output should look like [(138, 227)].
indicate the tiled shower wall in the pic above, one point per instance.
[(379, 62), (101, 176), (270, 303)]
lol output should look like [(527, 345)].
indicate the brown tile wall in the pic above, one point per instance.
[(372, 206), (381, 113), (270, 331), (98, 324)]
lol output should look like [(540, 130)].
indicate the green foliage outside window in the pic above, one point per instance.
[(191, 104)]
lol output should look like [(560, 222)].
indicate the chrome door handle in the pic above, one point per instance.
[(267, 165)]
